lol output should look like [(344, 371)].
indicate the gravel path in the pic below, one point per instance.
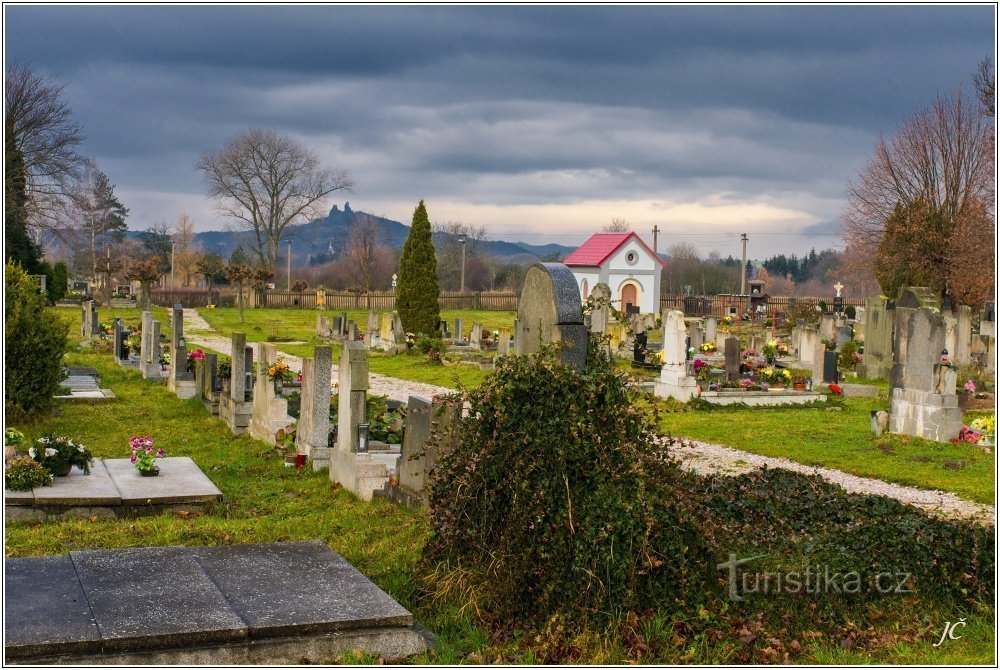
[(698, 456), (708, 458), (199, 332)]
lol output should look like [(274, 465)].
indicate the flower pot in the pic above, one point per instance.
[(290, 460), (799, 387), (63, 471), (278, 386), (155, 472)]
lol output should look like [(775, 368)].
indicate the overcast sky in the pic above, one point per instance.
[(541, 123)]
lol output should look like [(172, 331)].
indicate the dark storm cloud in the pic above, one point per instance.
[(509, 105)]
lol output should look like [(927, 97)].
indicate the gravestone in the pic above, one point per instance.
[(356, 471), (950, 335), (600, 315), (963, 327), (147, 327), (830, 375), (697, 335), (86, 308), (550, 311), (352, 331), (503, 342), (922, 389), (234, 407), (424, 419), (711, 323), (180, 380), (732, 354), (827, 327), (818, 360), (117, 349), (674, 380), (876, 361), (443, 329), (371, 331), (269, 411), (476, 338), (312, 432), (207, 382), (844, 335), (458, 330), (342, 330), (336, 329), (150, 366), (323, 327), (808, 339), (796, 341), (391, 337)]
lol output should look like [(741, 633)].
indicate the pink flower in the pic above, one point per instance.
[(160, 452), (970, 386), (133, 459)]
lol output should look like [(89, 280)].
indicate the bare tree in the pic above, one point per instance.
[(267, 181), (185, 254), (617, 225), (39, 127), (448, 250), (364, 248), (934, 172), (986, 87)]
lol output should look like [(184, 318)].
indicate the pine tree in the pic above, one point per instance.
[(418, 292)]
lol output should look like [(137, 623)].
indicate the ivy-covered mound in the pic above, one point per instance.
[(557, 498)]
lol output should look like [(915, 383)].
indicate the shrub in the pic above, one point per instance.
[(556, 497), (851, 312), (24, 473), (35, 343), (418, 291), (433, 347), (784, 512), (848, 356)]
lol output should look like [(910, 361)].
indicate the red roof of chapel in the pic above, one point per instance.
[(600, 246)]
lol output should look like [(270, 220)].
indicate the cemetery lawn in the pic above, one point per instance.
[(843, 440), (269, 503), (300, 325)]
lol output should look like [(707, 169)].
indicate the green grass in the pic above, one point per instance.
[(268, 502), (843, 440)]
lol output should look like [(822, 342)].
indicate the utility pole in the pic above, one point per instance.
[(461, 238), (289, 272), (656, 231), (173, 252), (743, 267)]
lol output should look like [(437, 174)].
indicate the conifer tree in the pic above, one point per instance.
[(418, 292)]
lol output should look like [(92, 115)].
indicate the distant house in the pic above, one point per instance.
[(625, 264)]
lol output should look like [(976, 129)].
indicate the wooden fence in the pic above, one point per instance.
[(717, 305)]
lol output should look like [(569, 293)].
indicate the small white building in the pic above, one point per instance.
[(625, 263)]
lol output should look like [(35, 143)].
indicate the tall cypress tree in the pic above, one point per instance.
[(418, 292), (18, 247)]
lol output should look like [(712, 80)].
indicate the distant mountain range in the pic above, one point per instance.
[(326, 239)]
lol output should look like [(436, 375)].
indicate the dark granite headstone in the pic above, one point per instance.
[(830, 367), (550, 311), (732, 358)]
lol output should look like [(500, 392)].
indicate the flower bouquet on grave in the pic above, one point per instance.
[(14, 443), (193, 359), (279, 373), (144, 456), (164, 361), (773, 349), (58, 455), (707, 348), (835, 389)]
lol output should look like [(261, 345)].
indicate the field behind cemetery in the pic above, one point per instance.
[(268, 502)]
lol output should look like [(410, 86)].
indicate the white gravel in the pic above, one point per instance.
[(698, 456), (708, 458)]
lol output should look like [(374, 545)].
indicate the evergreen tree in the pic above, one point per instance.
[(418, 292), (18, 247)]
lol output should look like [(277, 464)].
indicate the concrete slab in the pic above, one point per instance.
[(180, 481), (858, 391), (298, 587), (21, 498), (45, 609), (154, 597), (79, 489)]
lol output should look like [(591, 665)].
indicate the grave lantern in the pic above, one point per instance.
[(362, 438)]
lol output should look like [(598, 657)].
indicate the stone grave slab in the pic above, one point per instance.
[(19, 498), (79, 489), (84, 387), (180, 481), (35, 589), (323, 593), (154, 597)]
